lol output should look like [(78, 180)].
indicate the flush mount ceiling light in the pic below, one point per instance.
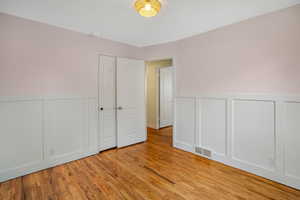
[(147, 8)]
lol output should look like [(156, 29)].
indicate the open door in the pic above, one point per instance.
[(165, 97), (131, 111)]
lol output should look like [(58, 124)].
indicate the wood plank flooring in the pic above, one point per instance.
[(151, 170)]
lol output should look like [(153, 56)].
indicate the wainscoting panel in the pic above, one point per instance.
[(185, 123), (65, 127), (292, 140), (39, 132), (255, 133), (21, 140), (212, 125), (253, 136)]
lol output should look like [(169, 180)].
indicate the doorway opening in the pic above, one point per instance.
[(160, 100)]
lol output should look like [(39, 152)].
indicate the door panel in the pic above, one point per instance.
[(166, 97), (107, 96), (131, 116)]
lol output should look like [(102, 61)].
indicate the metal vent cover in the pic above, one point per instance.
[(204, 152)]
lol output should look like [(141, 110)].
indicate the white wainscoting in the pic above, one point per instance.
[(253, 134), (184, 135), (257, 133), (21, 138), (38, 133), (292, 141), (212, 119)]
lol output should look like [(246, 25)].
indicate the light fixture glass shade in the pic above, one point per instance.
[(147, 8)]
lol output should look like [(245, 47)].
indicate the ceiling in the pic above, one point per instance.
[(118, 21)]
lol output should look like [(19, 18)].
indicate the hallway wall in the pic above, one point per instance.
[(153, 89)]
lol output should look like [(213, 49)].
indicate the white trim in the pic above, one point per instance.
[(276, 173), (117, 56), (86, 147), (174, 63), (157, 99), (37, 166), (184, 146), (248, 96), (289, 181), (42, 98)]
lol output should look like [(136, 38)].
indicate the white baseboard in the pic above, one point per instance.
[(153, 126), (184, 146), (42, 132), (271, 175), (17, 172), (231, 127), (107, 143)]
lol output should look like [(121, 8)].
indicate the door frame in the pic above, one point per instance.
[(98, 94), (174, 60)]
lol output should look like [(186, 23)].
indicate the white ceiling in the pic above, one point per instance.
[(117, 20)]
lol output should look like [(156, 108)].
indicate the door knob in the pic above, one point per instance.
[(119, 108), (100, 108)]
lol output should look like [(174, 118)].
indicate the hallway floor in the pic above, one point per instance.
[(151, 170)]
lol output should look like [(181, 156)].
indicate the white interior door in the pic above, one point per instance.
[(165, 96), (107, 103), (131, 115)]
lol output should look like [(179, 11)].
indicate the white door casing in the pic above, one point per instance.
[(165, 96), (131, 112)]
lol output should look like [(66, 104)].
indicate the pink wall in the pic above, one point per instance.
[(38, 59), (260, 55)]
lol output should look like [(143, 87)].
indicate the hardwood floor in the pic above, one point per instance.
[(152, 170)]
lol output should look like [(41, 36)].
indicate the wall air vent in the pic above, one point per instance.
[(204, 152)]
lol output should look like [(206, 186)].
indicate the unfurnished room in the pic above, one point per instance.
[(150, 100)]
